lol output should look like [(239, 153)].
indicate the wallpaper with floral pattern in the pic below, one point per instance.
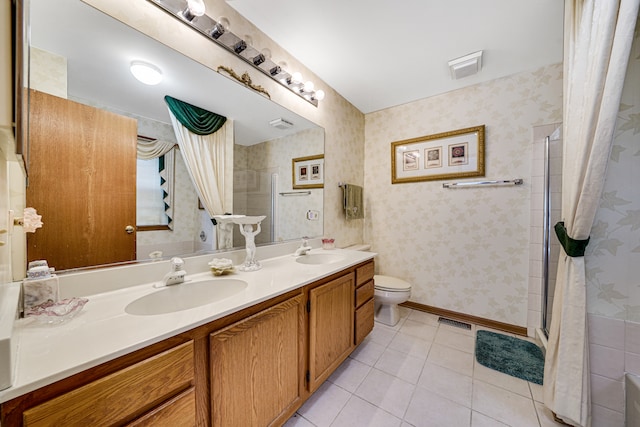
[(465, 250)]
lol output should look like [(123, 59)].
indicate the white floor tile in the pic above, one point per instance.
[(488, 375), (382, 334), (481, 420), (325, 404), (503, 405), (422, 317), (297, 421), (360, 413), (401, 365), (449, 384), (386, 392), (456, 329), (410, 345), (451, 338), (537, 392), (368, 352), (419, 330), (424, 373), (350, 374), (453, 359), (428, 409)]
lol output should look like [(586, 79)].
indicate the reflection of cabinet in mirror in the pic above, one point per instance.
[(83, 175)]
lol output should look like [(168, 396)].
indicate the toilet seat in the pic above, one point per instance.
[(390, 284)]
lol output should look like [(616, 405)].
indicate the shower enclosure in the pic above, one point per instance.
[(552, 198), (254, 194)]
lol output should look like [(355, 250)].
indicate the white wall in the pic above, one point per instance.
[(465, 250)]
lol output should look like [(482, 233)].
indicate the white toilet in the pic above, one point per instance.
[(388, 293)]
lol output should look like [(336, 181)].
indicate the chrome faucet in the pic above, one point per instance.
[(176, 275), (303, 249)]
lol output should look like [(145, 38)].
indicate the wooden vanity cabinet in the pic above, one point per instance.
[(364, 305), (256, 367)]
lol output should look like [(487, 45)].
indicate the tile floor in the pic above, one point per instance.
[(421, 373)]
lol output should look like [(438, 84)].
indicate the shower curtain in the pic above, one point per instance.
[(598, 36)]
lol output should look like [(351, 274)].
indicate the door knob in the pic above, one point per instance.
[(129, 229)]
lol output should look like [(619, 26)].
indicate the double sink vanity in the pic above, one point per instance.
[(244, 349)]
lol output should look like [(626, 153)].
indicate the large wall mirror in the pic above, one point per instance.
[(79, 63)]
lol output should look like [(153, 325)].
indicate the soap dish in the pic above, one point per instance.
[(219, 271), (56, 312)]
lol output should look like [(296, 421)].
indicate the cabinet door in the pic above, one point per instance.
[(330, 327), (257, 366)]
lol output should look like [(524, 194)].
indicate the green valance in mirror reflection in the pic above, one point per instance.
[(196, 119)]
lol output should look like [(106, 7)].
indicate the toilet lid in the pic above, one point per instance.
[(388, 283)]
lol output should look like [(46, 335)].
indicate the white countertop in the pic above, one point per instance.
[(103, 330)]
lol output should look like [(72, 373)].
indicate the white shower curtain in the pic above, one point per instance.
[(598, 36), (207, 160)]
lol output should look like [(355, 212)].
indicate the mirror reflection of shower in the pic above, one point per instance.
[(253, 195), (552, 213)]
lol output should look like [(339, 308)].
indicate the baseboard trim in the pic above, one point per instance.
[(493, 324)]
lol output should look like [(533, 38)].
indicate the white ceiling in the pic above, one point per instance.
[(378, 53), (99, 49)]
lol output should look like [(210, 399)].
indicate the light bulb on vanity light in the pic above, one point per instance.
[(296, 78), (146, 73), (308, 86), (194, 8), (319, 95)]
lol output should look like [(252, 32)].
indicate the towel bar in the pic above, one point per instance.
[(295, 193), (517, 181)]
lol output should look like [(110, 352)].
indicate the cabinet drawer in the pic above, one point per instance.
[(364, 321), (121, 396), (364, 292), (179, 411), (364, 273)]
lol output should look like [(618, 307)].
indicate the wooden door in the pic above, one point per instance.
[(330, 327), (257, 367), (82, 180)]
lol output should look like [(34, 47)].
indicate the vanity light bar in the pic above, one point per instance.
[(217, 33)]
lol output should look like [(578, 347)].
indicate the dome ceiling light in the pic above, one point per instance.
[(146, 73)]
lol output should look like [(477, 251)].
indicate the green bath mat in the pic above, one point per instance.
[(511, 356)]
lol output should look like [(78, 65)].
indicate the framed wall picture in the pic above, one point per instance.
[(308, 172), (447, 155)]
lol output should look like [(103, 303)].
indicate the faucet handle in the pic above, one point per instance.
[(177, 264)]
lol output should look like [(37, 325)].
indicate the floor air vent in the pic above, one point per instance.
[(455, 323)]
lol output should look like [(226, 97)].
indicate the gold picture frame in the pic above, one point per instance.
[(308, 172), (448, 155)]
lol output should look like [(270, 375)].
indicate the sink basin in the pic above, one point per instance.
[(185, 296), (317, 259)]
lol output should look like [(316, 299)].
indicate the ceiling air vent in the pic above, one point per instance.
[(281, 123), (466, 65)]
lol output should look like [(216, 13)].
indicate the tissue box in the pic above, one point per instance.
[(39, 291)]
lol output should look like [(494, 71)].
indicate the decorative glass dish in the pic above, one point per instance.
[(53, 313)]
